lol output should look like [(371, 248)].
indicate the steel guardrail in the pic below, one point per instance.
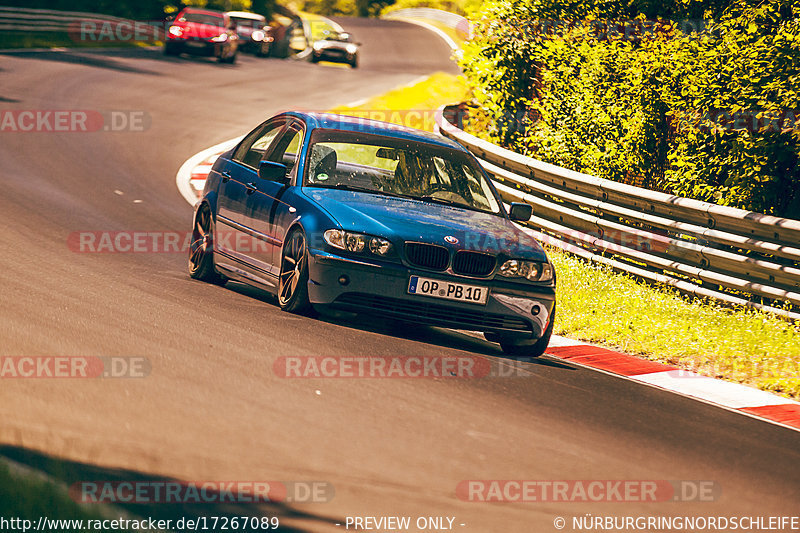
[(731, 255)]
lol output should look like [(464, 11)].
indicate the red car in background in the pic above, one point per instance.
[(203, 32)]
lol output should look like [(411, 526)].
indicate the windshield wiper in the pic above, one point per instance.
[(357, 188), (451, 203), (436, 199)]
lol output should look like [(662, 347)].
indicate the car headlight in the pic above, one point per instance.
[(531, 270), (357, 242), (221, 38), (351, 49), (258, 35), (177, 31), (379, 246)]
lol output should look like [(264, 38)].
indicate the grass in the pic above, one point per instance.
[(598, 305), (28, 498), (319, 25), (413, 106)]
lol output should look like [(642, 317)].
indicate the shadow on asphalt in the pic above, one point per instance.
[(68, 473), (97, 58), (445, 338), (108, 58)]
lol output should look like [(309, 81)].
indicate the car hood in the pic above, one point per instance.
[(401, 219)]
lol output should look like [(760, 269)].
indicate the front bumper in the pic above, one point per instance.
[(512, 311), (195, 47), (334, 55)]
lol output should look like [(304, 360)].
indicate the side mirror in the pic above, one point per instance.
[(520, 212), (272, 171)]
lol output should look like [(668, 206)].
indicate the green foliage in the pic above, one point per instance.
[(353, 8), (645, 107), (133, 9), (145, 9), (460, 7)]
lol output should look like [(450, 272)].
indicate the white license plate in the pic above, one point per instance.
[(447, 290)]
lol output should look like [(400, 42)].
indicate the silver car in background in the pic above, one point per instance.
[(255, 35)]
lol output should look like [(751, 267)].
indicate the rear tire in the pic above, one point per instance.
[(201, 251), (170, 50), (531, 350)]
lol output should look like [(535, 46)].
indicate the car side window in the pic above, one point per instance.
[(287, 148), (251, 151)]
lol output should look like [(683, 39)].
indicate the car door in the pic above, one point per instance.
[(239, 180), (267, 205)]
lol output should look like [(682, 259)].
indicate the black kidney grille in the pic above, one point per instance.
[(427, 256), (473, 263)]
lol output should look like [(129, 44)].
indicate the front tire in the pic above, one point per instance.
[(201, 251), (293, 281), (536, 349)]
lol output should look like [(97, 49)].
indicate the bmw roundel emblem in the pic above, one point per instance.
[(451, 239)]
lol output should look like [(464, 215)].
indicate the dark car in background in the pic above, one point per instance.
[(340, 213), (337, 47), (202, 32), (255, 35)]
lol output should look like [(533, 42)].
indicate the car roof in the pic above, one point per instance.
[(245, 15), (202, 11), (338, 122)]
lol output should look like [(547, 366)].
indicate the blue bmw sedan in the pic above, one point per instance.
[(334, 212)]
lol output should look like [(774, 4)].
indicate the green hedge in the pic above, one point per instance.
[(616, 90), (143, 9)]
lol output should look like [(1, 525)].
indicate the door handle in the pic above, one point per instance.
[(251, 188), (225, 176)]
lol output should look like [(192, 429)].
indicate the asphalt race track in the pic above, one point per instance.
[(212, 408)]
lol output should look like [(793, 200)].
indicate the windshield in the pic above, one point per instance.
[(394, 167), (336, 36), (249, 23), (201, 18)]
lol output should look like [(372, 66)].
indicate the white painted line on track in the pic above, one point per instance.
[(720, 392), (446, 38), (185, 172)]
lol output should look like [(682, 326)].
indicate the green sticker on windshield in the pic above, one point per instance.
[(322, 177)]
